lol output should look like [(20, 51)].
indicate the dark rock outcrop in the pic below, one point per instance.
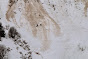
[(13, 33)]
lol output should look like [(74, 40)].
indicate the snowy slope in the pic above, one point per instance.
[(43, 29)]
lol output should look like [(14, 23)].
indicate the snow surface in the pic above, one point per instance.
[(72, 43)]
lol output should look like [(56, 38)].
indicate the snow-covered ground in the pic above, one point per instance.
[(44, 29)]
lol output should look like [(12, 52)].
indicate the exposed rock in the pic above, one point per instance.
[(13, 33), (2, 32), (2, 51)]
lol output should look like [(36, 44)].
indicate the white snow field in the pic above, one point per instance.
[(43, 29)]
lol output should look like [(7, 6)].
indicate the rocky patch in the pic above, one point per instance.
[(2, 32), (3, 52), (13, 33)]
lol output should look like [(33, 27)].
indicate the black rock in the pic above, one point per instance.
[(13, 33), (2, 32), (3, 51)]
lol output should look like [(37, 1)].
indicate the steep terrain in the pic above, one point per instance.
[(43, 29)]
